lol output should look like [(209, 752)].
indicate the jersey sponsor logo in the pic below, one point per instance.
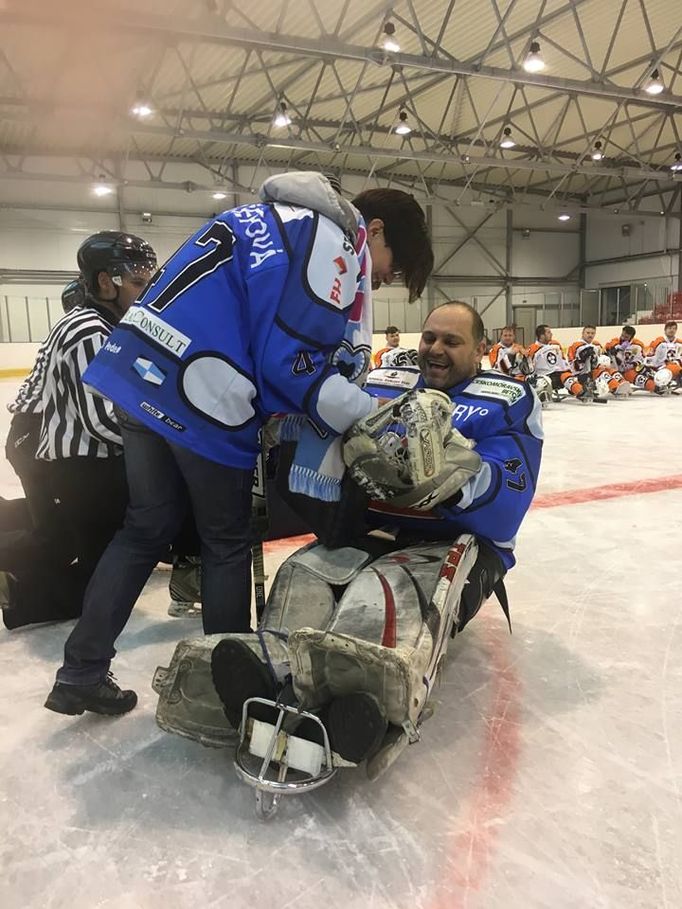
[(157, 330), (331, 268), (112, 348), (491, 387), (462, 412), (392, 378), (149, 371), (257, 230), (303, 364), (161, 416)]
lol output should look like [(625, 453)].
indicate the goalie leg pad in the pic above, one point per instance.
[(390, 631)]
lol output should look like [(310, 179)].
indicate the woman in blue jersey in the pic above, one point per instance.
[(265, 309)]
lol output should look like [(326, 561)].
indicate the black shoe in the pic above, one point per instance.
[(356, 726), (105, 697), (238, 675)]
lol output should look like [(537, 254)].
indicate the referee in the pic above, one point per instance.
[(78, 446)]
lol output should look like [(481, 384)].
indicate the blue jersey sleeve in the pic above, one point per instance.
[(315, 298), (495, 501)]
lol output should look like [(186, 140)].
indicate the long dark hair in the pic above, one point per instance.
[(405, 231)]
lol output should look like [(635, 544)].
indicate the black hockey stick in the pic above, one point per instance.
[(259, 529)]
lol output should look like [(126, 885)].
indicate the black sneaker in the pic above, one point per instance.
[(238, 675), (105, 697), (356, 726)]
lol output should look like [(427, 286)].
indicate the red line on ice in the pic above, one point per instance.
[(609, 491), (472, 849)]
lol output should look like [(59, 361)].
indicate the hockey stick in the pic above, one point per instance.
[(259, 528)]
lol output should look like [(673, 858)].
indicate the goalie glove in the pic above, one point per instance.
[(408, 453)]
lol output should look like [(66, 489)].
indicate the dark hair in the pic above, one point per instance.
[(589, 326), (628, 330), (391, 329), (508, 328), (540, 330), (477, 329), (670, 324), (406, 233)]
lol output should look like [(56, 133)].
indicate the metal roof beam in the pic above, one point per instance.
[(214, 31)]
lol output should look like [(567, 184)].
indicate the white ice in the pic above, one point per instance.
[(549, 776)]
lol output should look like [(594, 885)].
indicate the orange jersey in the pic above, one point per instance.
[(376, 359), (507, 358), (626, 356), (578, 355)]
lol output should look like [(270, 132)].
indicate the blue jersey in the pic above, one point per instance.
[(504, 417), (240, 323)]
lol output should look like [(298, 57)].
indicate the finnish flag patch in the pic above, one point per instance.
[(149, 371)]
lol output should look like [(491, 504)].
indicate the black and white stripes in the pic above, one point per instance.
[(75, 422)]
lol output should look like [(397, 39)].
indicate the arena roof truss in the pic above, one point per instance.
[(214, 75)]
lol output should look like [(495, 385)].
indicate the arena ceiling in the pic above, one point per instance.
[(214, 74)]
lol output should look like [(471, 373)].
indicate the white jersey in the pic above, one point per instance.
[(547, 358), (663, 351)]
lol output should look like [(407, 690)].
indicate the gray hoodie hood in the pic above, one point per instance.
[(312, 190)]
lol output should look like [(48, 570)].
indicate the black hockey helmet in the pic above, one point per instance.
[(73, 295), (114, 252)]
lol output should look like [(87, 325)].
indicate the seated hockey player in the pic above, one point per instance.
[(665, 353), (509, 357), (392, 341), (399, 356), (547, 362), (450, 469), (627, 354), (585, 359)]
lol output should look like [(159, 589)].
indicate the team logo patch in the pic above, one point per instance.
[(351, 361), (149, 371)]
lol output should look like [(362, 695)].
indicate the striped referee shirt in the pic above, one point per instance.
[(75, 422)]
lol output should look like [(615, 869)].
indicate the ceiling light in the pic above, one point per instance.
[(654, 85), (101, 188), (389, 43), (564, 216), (219, 194), (534, 62), (403, 127), (506, 141), (141, 109), (597, 153), (146, 217), (282, 118), (678, 162)]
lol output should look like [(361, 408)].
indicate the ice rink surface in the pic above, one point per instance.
[(549, 776)]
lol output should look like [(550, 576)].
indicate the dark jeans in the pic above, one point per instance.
[(159, 477)]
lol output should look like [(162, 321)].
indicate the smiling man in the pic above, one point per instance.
[(500, 416)]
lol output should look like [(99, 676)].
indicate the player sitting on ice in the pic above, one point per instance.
[(548, 366), (627, 354), (508, 357), (357, 634), (587, 359), (399, 356), (664, 356)]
